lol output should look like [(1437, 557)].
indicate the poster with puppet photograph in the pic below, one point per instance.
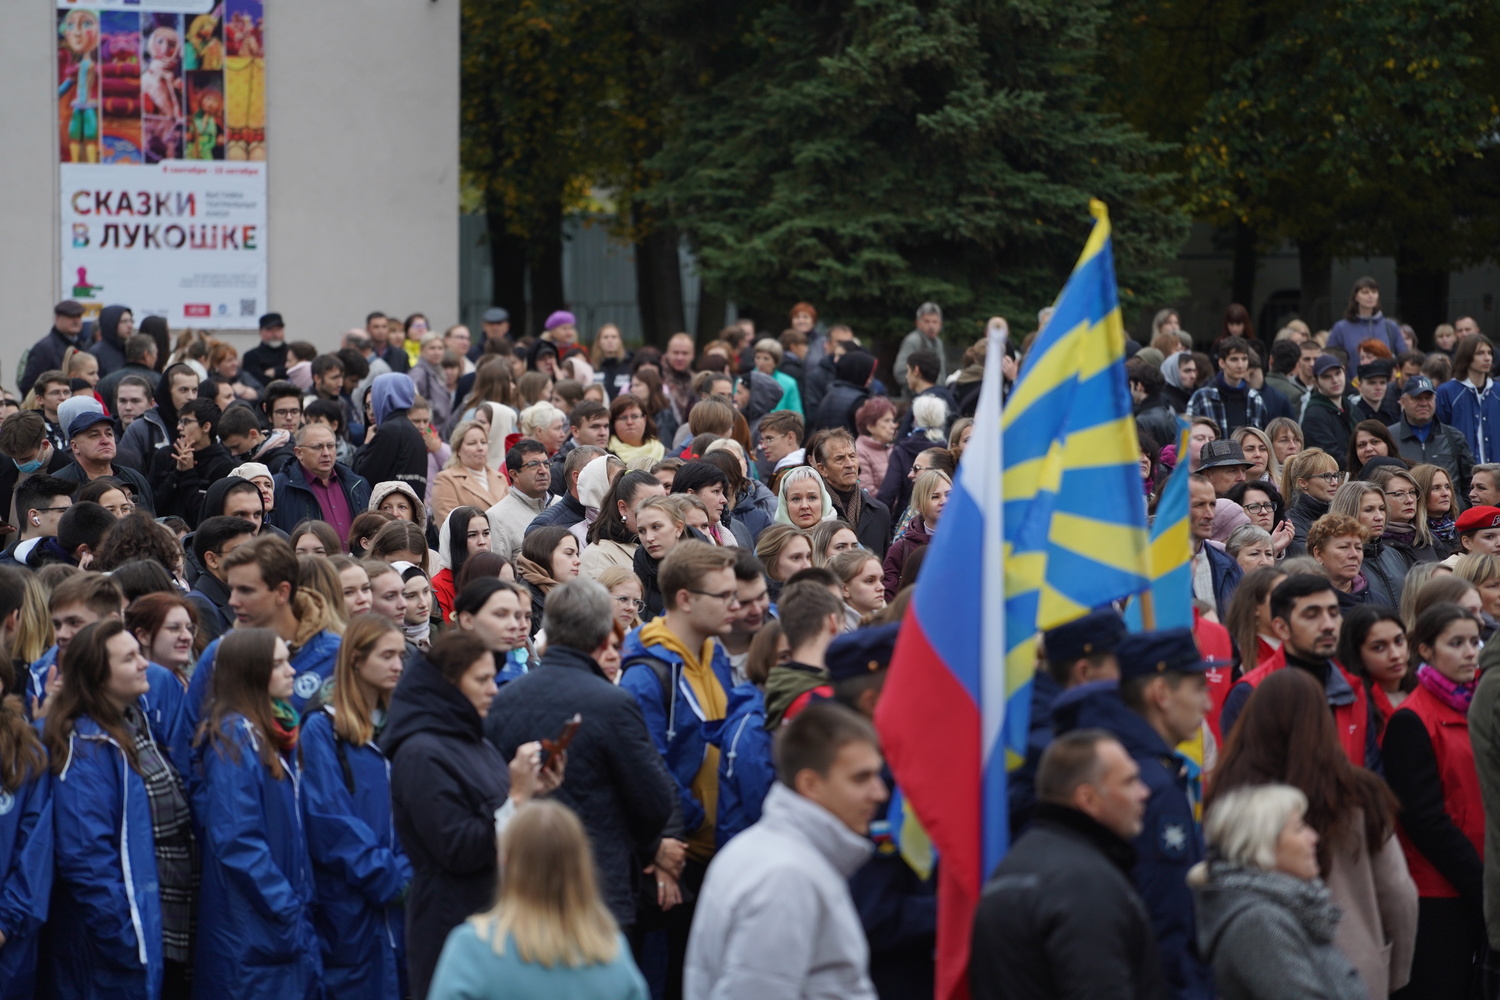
[(161, 132)]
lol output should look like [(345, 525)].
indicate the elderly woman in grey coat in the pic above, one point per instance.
[(1265, 920)]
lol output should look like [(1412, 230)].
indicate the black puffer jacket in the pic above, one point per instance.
[(615, 781), (446, 783), (1061, 918)]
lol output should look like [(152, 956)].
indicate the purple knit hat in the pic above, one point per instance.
[(560, 318)]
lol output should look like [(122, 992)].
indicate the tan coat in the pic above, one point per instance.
[(458, 487), (1379, 930), (604, 555)]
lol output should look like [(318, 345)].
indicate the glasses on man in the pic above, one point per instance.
[(534, 465), (729, 597), (327, 446)]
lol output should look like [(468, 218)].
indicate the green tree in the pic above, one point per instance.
[(871, 154)]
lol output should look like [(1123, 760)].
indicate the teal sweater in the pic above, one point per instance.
[(469, 969)]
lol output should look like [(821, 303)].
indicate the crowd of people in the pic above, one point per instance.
[(1288, 799), (507, 666), (444, 666)]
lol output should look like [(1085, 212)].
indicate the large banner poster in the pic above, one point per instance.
[(161, 115)]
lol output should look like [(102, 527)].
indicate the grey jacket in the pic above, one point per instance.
[(1445, 447), (1270, 935), (775, 918)]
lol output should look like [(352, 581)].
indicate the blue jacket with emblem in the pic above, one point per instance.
[(746, 771), (359, 869), (1170, 842), (672, 715), (36, 681), (105, 928), (314, 662), (255, 931), (26, 858), (1474, 413)]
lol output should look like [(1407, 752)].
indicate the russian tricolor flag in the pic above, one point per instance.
[(1046, 521)]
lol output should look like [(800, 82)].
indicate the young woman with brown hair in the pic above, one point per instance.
[(255, 922), (359, 868)]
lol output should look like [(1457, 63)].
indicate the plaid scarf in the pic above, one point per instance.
[(849, 504), (172, 831)]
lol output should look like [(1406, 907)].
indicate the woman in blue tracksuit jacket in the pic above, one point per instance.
[(359, 869), (105, 929), (255, 930), (25, 842)]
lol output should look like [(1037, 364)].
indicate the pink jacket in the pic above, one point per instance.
[(873, 457)]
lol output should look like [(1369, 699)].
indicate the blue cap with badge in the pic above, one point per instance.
[(1168, 651), (1096, 632), (861, 652)]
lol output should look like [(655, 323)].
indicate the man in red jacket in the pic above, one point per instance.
[(1305, 616)]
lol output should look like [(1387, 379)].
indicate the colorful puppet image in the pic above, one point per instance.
[(120, 83), (245, 81), (160, 85), (205, 128), (78, 89), (205, 46), (162, 139)]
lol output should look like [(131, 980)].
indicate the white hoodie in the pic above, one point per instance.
[(775, 918)]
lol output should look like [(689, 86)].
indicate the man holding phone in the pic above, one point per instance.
[(617, 783)]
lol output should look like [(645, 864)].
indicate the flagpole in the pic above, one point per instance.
[(1148, 610)]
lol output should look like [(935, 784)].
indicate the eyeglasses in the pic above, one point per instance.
[(1259, 508), (1410, 494), (285, 412), (630, 602), (533, 465), (121, 510), (329, 446), (1329, 477), (50, 510), (729, 597)]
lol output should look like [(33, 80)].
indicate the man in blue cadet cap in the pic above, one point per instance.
[(897, 903), (1077, 653), (1160, 702)]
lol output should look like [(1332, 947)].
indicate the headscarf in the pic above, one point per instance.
[(798, 474), (445, 537), (1171, 370), (502, 426), (416, 634), (383, 490), (391, 392)]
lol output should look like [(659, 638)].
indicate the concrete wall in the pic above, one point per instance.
[(362, 136)]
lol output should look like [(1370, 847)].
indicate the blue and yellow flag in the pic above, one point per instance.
[(1171, 554), (1075, 515)]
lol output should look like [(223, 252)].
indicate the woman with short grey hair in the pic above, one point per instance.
[(1265, 919), (1251, 547)]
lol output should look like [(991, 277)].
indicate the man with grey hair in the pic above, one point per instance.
[(617, 783), (927, 336)]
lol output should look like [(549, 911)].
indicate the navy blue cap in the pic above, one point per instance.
[(861, 652), (1095, 632), (85, 420), (1379, 368), (1170, 650), (495, 314), (1325, 363), (1418, 385), (271, 321)]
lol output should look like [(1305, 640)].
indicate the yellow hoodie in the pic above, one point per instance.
[(714, 700)]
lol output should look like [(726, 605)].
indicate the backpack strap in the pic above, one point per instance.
[(341, 749)]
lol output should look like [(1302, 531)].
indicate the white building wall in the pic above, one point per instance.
[(362, 137)]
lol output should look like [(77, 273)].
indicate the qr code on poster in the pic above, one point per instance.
[(247, 307)]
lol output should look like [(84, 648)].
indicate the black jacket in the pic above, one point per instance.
[(181, 492), (563, 514), (614, 375), (874, 527), (211, 598), (265, 363), (616, 781), (895, 491), (942, 392), (46, 354), (1325, 426), (837, 407), (108, 349), (1155, 418), (73, 472), (1061, 920), (446, 783), (1302, 514), (396, 452)]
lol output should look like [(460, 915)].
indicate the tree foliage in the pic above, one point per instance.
[(872, 154)]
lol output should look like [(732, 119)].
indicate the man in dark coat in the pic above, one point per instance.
[(183, 473), (1159, 703), (47, 354), (616, 781), (397, 452), (1060, 918), (1422, 438), (832, 454), (922, 369), (116, 325), (845, 395), (1326, 420), (316, 487)]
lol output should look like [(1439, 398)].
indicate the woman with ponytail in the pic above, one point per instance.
[(256, 937), (126, 858), (359, 869), (25, 829)]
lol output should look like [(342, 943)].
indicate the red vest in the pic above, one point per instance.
[(1353, 719), (1448, 730), (1214, 644)]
